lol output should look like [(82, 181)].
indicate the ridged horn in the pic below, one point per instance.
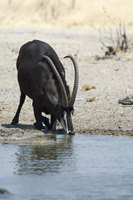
[(63, 90), (76, 81)]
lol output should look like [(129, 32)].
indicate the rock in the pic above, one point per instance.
[(4, 191), (126, 101)]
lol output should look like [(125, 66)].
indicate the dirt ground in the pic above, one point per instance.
[(112, 79)]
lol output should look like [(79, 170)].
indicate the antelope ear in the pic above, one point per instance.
[(53, 100)]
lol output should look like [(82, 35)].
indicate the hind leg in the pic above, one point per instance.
[(21, 102)]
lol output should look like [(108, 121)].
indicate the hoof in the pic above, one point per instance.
[(14, 122), (38, 126)]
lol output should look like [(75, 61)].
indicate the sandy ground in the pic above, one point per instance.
[(112, 78)]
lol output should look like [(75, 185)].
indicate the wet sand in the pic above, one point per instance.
[(112, 79)]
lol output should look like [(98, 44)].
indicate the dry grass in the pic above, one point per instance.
[(90, 99), (87, 87), (61, 12)]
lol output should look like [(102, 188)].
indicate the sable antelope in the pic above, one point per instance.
[(41, 76)]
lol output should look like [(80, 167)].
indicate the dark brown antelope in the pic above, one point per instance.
[(41, 76)]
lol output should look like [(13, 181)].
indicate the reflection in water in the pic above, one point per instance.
[(40, 159), (69, 168)]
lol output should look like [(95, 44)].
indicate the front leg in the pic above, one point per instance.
[(53, 123), (38, 116), (45, 120)]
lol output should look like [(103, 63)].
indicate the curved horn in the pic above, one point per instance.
[(63, 90), (76, 81)]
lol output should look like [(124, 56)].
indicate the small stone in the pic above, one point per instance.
[(126, 101), (90, 99), (3, 191), (87, 87)]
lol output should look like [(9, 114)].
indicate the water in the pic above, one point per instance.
[(72, 168)]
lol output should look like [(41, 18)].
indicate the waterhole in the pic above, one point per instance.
[(79, 167)]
